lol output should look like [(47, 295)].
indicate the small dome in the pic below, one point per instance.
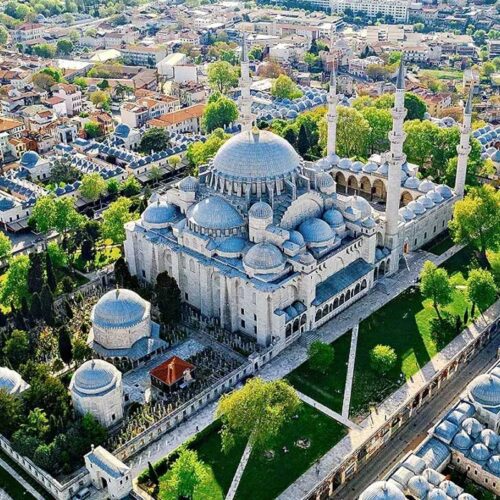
[(94, 377), (297, 238), (159, 213), (383, 169), (472, 427), (10, 381), (122, 131), (356, 166), (119, 308), (333, 217), (412, 183), (485, 390), (368, 222), (345, 164), (333, 159), (426, 186), (434, 196), (494, 464), (264, 256), (444, 191), (406, 213), (462, 441), (466, 496), (261, 210), (29, 159), (359, 203), (370, 167), (233, 244), (479, 452), (489, 438), (382, 490), (425, 202), (215, 213), (324, 181), (437, 494), (419, 486), (316, 231), (450, 488), (416, 207), (189, 184)]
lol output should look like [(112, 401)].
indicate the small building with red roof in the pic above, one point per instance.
[(171, 374)]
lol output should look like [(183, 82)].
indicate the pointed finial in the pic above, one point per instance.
[(244, 53), (468, 104), (117, 291), (400, 82)]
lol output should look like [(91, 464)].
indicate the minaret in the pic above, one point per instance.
[(463, 149), (245, 102), (331, 117), (396, 160)]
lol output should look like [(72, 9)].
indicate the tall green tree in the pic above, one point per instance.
[(285, 88), (15, 283), (51, 276), (435, 285), (222, 77), (11, 412), (321, 356), (65, 346), (93, 186), (168, 297), (35, 273), (476, 221), (481, 288), (47, 301), (380, 121), (17, 348), (303, 143), (187, 474), (114, 218), (219, 114), (383, 358), (154, 139), (5, 246), (43, 214)]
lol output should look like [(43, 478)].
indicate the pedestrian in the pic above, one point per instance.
[(196, 428)]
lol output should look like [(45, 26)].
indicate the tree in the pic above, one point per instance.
[(168, 297), (487, 69), (47, 301), (380, 121), (65, 346), (153, 476), (174, 161), (81, 82), (99, 98), (270, 69), (44, 50), (383, 358), (35, 273), (303, 143), (37, 423), (62, 170), (155, 174), (11, 412), (43, 81), (285, 88), (199, 153), (81, 350), (219, 114), (476, 221), (187, 474), (256, 53), (92, 129), (114, 218), (321, 356), (36, 307), (130, 186), (15, 283), (17, 348), (66, 218), (154, 139), (93, 186), (416, 107), (49, 394), (435, 285), (64, 47), (43, 214), (377, 72), (222, 76), (51, 277), (481, 288), (4, 35), (113, 186), (5, 246)]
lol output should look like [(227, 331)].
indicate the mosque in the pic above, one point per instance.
[(268, 244)]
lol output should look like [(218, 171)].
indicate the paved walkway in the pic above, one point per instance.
[(327, 411), (350, 372), (20, 480), (4, 495), (239, 472)]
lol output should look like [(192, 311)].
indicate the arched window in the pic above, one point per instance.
[(363, 284), (318, 315)]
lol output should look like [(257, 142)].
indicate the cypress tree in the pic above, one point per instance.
[(153, 476), (65, 346), (36, 307), (47, 301), (466, 316), (168, 297), (87, 250), (25, 310), (122, 274), (35, 273), (51, 277), (68, 310), (303, 141), (3, 319)]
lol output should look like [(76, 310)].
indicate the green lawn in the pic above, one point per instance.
[(327, 389), (439, 245), (443, 74), (278, 472), (12, 487)]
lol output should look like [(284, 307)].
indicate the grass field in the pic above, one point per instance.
[(443, 74), (278, 472), (439, 245), (12, 487)]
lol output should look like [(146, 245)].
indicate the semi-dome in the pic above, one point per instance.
[(261, 210), (485, 390), (119, 308), (382, 490), (188, 184), (479, 452), (297, 238), (10, 381), (359, 203), (253, 155), (333, 217), (29, 159), (122, 131), (159, 213), (264, 256), (316, 231), (94, 377), (215, 213)]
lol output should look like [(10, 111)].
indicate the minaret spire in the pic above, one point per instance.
[(396, 161), (331, 117), (464, 148), (245, 101)]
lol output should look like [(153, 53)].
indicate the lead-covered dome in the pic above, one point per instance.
[(264, 257), (485, 390), (119, 308), (316, 231), (382, 490), (253, 155), (29, 159), (260, 210), (215, 213), (159, 213), (94, 377)]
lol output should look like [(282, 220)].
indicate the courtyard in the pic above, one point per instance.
[(302, 441)]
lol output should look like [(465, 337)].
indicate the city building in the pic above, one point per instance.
[(182, 121), (140, 55), (396, 9), (171, 374)]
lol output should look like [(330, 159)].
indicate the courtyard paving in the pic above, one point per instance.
[(350, 372)]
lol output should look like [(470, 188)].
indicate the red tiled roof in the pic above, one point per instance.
[(171, 370)]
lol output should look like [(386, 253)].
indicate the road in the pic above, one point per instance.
[(415, 431)]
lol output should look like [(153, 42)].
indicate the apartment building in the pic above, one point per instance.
[(138, 55), (138, 113), (397, 9), (27, 32), (72, 96), (186, 120)]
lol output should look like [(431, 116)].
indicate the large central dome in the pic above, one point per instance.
[(253, 155)]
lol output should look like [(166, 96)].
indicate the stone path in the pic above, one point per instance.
[(327, 411), (239, 472), (20, 480), (350, 372), (4, 496)]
